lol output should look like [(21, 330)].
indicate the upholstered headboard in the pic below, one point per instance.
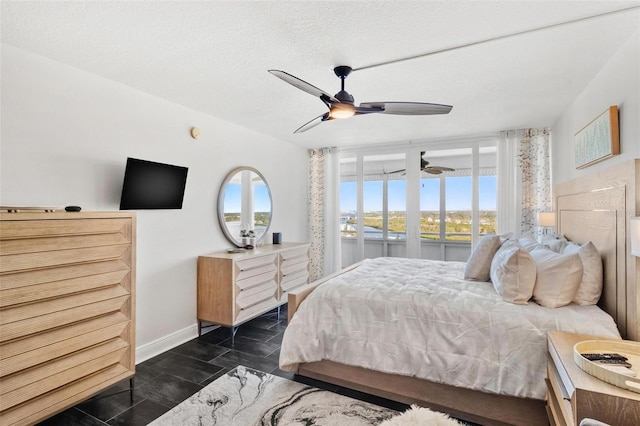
[(597, 208)]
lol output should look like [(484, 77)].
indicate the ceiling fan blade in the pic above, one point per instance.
[(442, 169), (397, 171), (368, 110), (313, 123), (408, 108), (303, 85), (432, 171)]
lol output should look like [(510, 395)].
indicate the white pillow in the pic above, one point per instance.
[(528, 241), (513, 273), (590, 287), (556, 244), (479, 263), (557, 277), (529, 235)]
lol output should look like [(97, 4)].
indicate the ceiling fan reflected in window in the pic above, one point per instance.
[(341, 105), (425, 167)]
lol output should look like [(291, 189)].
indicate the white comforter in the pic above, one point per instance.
[(421, 318)]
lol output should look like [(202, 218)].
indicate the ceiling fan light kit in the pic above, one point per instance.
[(342, 111), (341, 105)]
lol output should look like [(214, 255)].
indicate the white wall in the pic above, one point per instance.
[(66, 135), (618, 83)]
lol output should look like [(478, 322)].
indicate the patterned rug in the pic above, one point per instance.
[(245, 397)]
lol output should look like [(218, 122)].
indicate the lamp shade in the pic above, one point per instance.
[(634, 224), (547, 219)]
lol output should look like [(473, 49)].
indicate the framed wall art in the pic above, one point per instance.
[(599, 139)]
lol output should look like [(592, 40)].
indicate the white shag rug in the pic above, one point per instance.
[(419, 416)]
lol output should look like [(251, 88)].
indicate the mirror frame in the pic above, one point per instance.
[(221, 195)]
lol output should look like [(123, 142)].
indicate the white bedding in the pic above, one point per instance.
[(421, 318)]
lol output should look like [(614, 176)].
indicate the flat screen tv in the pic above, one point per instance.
[(150, 185)]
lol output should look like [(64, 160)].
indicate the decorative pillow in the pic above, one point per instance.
[(527, 240), (479, 263), (529, 235), (590, 287), (557, 277), (528, 244), (513, 273), (556, 244)]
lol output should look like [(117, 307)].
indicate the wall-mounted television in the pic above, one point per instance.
[(150, 185)]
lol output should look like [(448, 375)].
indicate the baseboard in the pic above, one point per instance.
[(163, 344)]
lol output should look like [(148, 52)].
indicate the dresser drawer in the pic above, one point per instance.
[(294, 269), (285, 255), (256, 294), (37, 292), (47, 377), (256, 280), (252, 311), (51, 402), (557, 399), (26, 261), (33, 230), (255, 262), (293, 283), (553, 407), (243, 275), (57, 343)]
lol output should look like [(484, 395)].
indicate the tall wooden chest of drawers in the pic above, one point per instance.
[(236, 287), (67, 309)]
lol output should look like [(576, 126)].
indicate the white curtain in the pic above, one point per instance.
[(524, 179), (324, 212), (508, 197)]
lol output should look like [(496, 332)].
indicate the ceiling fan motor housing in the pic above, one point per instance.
[(344, 96), (343, 71)]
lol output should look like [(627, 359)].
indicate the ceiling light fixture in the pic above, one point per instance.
[(342, 111)]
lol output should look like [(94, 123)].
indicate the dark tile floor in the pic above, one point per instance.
[(166, 380)]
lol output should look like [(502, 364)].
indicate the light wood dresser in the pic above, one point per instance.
[(67, 309), (236, 287), (573, 394)]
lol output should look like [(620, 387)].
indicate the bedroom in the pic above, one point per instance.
[(69, 120)]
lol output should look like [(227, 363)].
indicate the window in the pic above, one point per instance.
[(383, 198), (373, 210), (430, 208), (458, 208), (437, 216), (348, 209), (397, 215), (488, 205)]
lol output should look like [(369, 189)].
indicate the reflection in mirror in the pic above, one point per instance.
[(244, 206)]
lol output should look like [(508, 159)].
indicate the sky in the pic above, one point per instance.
[(233, 198), (458, 195)]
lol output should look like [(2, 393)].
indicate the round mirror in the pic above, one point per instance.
[(244, 206)]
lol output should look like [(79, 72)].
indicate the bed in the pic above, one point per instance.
[(591, 208)]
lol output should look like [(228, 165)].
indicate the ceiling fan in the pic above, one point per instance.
[(425, 167), (341, 105)]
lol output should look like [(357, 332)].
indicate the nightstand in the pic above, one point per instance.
[(573, 394)]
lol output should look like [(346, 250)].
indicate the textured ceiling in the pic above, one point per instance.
[(213, 56)]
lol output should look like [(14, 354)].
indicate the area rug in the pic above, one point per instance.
[(246, 397)]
